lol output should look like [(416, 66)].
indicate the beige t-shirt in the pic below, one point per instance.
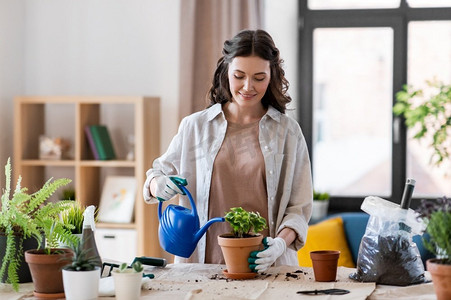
[(238, 179)]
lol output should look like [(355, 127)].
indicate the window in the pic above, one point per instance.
[(353, 59), (429, 58)]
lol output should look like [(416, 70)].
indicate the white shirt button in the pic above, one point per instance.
[(270, 172)]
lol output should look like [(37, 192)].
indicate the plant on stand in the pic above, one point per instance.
[(320, 205), (127, 281), (81, 277), (22, 219), (244, 238), (437, 216)]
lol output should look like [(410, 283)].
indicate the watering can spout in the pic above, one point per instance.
[(204, 228)]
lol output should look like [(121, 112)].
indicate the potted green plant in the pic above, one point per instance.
[(81, 277), (46, 264), (22, 221), (127, 281), (72, 218), (436, 214), (244, 238), (428, 112), (320, 205)]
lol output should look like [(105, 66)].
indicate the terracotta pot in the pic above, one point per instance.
[(46, 271), (325, 264), (441, 278), (236, 251)]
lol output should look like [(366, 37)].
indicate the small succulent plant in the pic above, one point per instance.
[(136, 266), (81, 261)]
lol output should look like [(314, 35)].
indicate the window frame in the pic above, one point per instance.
[(395, 18)]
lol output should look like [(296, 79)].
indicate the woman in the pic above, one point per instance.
[(242, 151)]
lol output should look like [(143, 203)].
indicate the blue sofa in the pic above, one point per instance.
[(354, 224)]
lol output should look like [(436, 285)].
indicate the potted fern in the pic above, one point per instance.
[(23, 218), (81, 277), (244, 238), (127, 281), (46, 264)]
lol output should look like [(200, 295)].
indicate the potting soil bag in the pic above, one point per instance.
[(387, 253)]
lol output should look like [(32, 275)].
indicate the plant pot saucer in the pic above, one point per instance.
[(48, 295), (248, 275)]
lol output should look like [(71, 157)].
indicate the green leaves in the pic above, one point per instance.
[(244, 222), (437, 216), (73, 217), (320, 196), (137, 267), (438, 228), (428, 115), (80, 260), (25, 216)]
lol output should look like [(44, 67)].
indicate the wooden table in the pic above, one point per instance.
[(204, 281)]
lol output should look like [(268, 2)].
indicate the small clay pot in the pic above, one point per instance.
[(325, 264)]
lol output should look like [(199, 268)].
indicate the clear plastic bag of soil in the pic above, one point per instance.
[(387, 253)]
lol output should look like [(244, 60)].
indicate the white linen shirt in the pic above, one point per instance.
[(193, 150)]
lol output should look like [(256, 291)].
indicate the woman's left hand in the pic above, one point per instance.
[(260, 261)]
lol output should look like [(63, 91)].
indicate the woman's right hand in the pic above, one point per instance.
[(163, 187)]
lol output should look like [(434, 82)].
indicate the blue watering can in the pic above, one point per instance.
[(179, 230)]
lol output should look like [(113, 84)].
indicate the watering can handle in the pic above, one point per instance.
[(180, 182), (191, 201)]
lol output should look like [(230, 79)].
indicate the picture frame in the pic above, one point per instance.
[(117, 201)]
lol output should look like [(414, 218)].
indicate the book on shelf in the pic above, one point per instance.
[(102, 147), (91, 143)]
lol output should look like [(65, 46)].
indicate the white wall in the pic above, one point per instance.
[(103, 47), (11, 72)]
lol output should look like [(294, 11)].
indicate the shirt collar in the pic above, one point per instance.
[(273, 113), (216, 109)]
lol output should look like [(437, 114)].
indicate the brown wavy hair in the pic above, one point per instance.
[(248, 43)]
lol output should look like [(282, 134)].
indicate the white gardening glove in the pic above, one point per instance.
[(260, 261), (166, 188)]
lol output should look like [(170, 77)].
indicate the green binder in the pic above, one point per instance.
[(102, 142)]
